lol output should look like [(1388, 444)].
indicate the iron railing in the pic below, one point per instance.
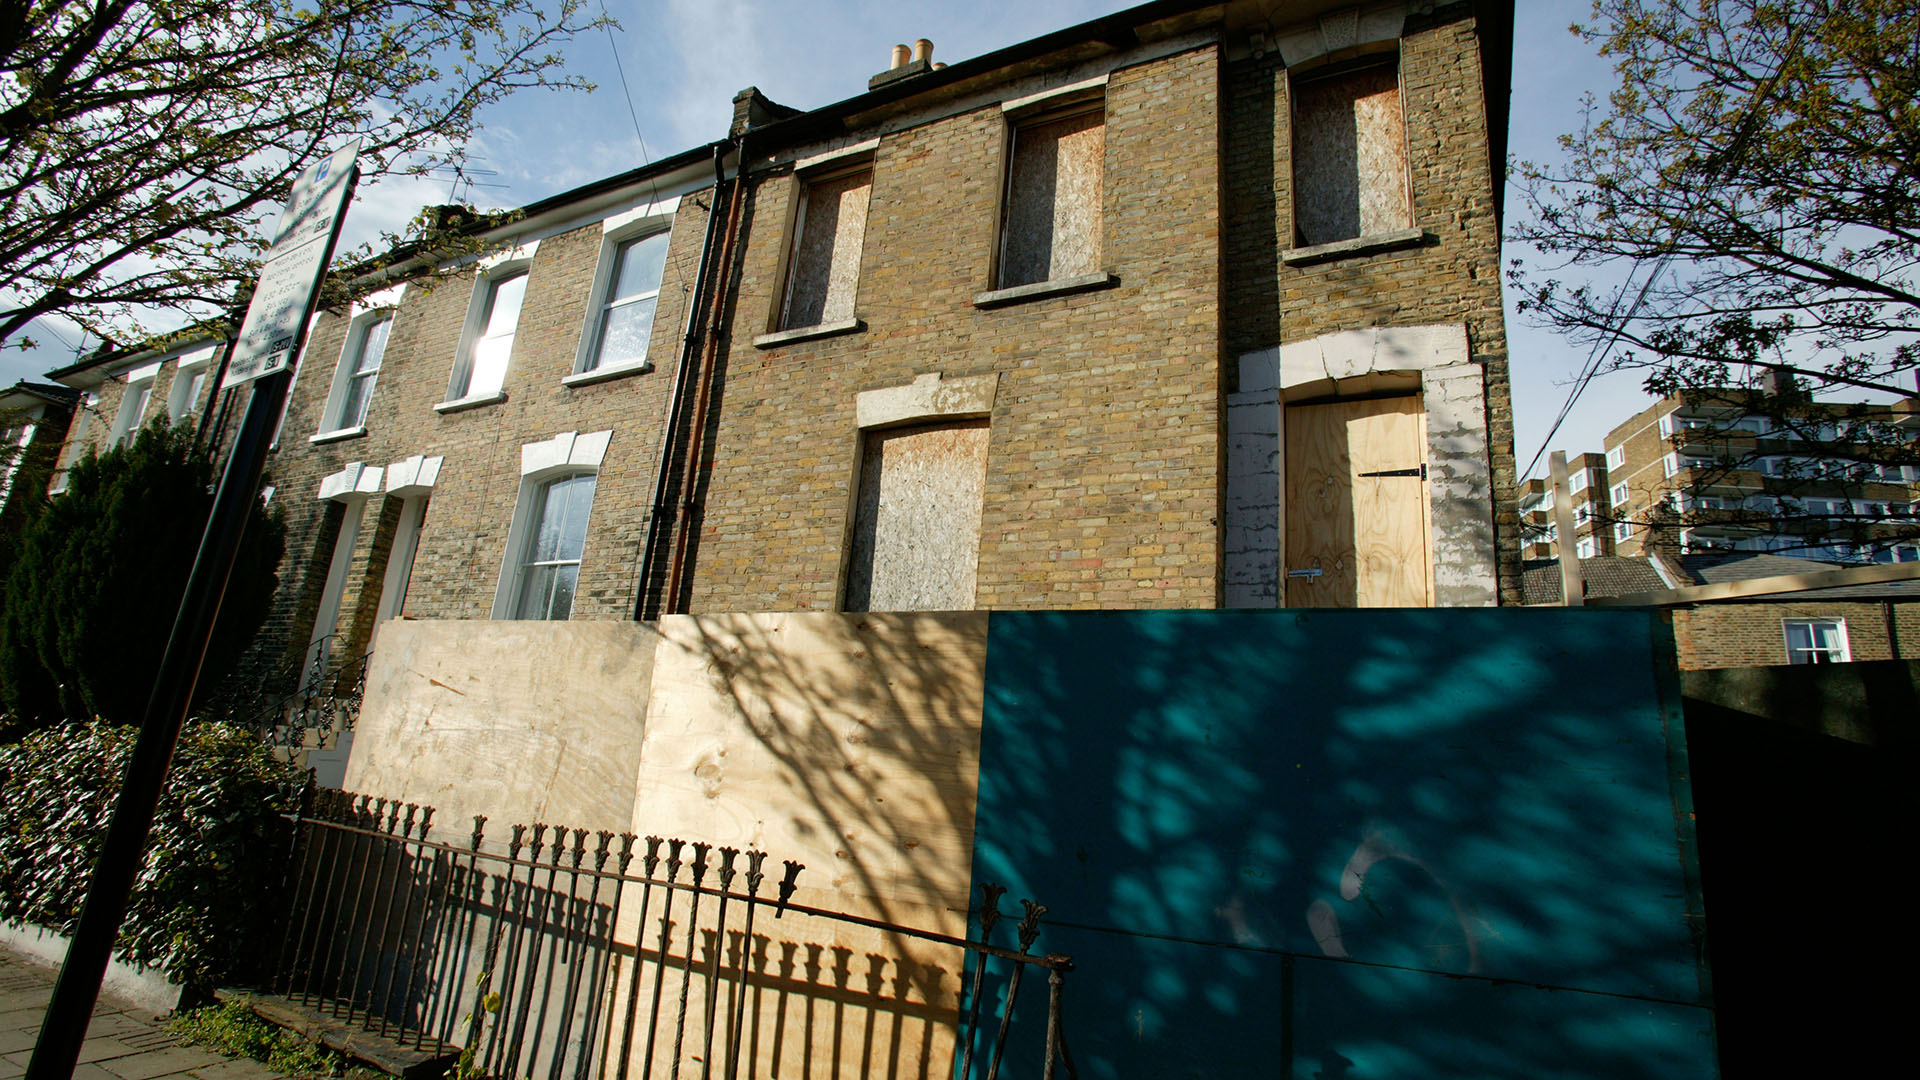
[(572, 951), (324, 703)]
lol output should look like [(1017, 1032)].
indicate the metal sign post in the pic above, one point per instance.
[(276, 321)]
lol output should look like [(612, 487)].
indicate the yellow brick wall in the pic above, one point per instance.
[(1452, 277), (1102, 469), (1750, 635)]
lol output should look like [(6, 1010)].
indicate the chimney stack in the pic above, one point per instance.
[(906, 63)]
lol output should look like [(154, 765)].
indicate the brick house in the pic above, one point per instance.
[(1195, 305), (1837, 624), (34, 418), (119, 391)]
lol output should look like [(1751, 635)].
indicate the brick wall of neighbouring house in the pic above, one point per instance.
[(462, 546), (1102, 484), (1750, 635), (112, 392), (1451, 278)]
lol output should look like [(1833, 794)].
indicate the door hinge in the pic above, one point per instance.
[(1418, 470)]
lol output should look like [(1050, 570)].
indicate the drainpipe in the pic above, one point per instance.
[(690, 341), (710, 350)]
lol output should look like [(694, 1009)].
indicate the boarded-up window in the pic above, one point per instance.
[(1349, 156), (824, 270), (916, 526), (1051, 227)]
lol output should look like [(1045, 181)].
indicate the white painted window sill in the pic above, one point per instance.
[(337, 435), (1040, 290), (808, 333), (465, 403), (1357, 247), (603, 374)]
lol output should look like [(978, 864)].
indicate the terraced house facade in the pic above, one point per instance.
[(1192, 306)]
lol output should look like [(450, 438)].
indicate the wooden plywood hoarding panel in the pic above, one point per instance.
[(848, 743)]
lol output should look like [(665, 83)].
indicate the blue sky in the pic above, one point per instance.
[(683, 60)]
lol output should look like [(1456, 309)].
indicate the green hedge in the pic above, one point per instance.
[(204, 902)]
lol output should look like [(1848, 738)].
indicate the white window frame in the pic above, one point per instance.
[(333, 421), (1619, 494), (1586, 548), (133, 405), (400, 556), (411, 481), (564, 455), (1672, 464), (1622, 531), (460, 391), (1839, 625), (76, 441), (616, 233), (351, 486), (1666, 426), (189, 379), (1617, 457), (320, 641), (1577, 483)]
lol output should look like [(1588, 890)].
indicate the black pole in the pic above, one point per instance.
[(64, 1027), (219, 376), (74, 993)]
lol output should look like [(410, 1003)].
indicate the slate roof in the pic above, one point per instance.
[(1620, 575), (54, 392), (1713, 567), (1605, 575)]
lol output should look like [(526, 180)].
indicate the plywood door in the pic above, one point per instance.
[(1355, 540)]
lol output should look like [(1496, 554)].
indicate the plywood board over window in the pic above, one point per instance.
[(1052, 222), (1349, 156), (825, 265), (916, 529), (1356, 511)]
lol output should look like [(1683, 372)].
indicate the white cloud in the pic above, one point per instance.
[(718, 44)]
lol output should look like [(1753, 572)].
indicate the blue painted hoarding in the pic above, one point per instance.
[(1350, 843)]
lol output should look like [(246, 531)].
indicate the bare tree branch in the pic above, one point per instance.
[(142, 146)]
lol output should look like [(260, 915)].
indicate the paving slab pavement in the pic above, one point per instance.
[(124, 1041)]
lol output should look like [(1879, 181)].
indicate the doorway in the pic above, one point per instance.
[(1357, 518)]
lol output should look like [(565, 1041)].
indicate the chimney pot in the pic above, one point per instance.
[(901, 54), (923, 50)]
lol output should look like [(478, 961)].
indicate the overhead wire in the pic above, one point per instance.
[(626, 91)]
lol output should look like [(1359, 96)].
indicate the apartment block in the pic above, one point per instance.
[(1732, 470), (1588, 493)]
